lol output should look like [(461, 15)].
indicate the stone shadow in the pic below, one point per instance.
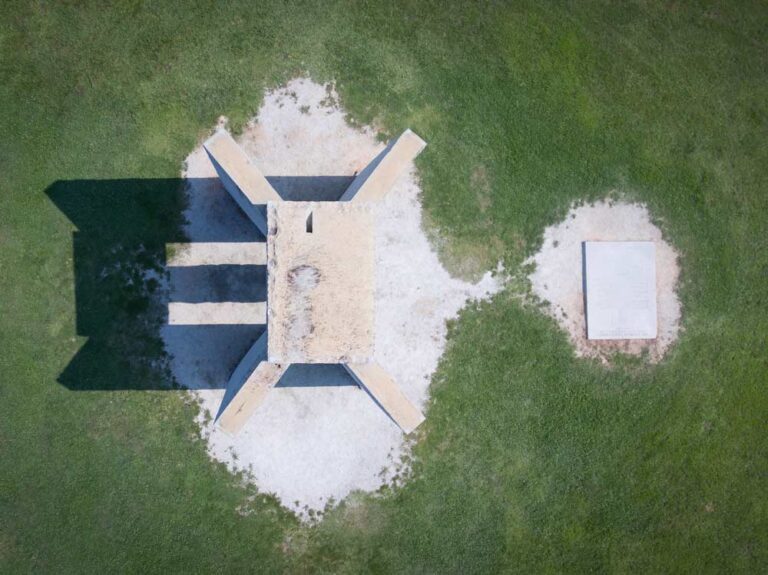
[(122, 284)]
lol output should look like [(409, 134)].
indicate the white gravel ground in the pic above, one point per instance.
[(317, 437), (557, 278)]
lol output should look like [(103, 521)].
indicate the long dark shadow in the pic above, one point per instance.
[(118, 258), (123, 226)]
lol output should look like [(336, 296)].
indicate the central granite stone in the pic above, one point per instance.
[(320, 265)]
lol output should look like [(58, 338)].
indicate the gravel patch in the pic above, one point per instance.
[(557, 277)]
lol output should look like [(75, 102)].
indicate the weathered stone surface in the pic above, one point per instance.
[(240, 177), (377, 382), (378, 177), (320, 282), (620, 283)]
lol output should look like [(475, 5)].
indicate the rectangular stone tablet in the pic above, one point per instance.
[(320, 282), (620, 284)]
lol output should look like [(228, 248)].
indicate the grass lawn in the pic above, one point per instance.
[(530, 460)]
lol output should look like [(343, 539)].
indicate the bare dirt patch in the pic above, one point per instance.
[(557, 277), (482, 187), (318, 437)]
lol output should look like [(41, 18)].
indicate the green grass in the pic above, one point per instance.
[(530, 460)]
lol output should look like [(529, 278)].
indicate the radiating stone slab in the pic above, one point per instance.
[(373, 183), (240, 177), (620, 284), (376, 381), (250, 396)]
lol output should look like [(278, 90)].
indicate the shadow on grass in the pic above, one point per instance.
[(123, 226), (118, 258)]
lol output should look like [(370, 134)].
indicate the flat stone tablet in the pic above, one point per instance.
[(320, 282), (620, 288)]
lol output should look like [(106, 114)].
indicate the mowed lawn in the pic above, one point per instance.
[(531, 460)]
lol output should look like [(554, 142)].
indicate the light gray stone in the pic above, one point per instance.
[(620, 284)]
